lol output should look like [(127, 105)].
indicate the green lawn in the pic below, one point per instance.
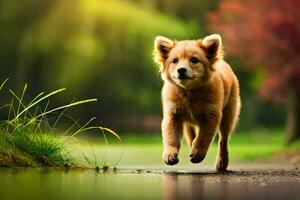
[(145, 149)]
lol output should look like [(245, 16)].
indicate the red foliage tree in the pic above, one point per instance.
[(266, 33)]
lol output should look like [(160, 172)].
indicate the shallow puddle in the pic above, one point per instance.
[(135, 183)]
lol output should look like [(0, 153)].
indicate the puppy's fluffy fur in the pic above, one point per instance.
[(200, 95)]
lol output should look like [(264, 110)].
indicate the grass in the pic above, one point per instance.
[(27, 137), (142, 149), (43, 148), (295, 146)]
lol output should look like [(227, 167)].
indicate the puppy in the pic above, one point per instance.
[(200, 95)]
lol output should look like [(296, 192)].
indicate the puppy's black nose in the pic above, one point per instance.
[(181, 70)]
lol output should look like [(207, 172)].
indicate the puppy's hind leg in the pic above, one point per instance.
[(189, 134), (228, 123)]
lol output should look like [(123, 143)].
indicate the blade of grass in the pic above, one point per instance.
[(94, 155), (4, 106), (21, 99), (112, 132), (58, 119), (75, 123), (104, 161), (38, 126), (103, 129), (20, 102), (67, 106), (3, 83), (61, 114), (83, 127), (119, 138), (38, 101), (35, 98), (9, 114)]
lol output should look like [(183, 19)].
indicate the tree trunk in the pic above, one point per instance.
[(293, 114)]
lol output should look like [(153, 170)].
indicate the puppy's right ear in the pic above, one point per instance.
[(162, 47)]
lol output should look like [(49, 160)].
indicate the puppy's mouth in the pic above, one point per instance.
[(183, 77)]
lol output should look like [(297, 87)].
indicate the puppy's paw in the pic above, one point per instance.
[(171, 157), (197, 156), (222, 164)]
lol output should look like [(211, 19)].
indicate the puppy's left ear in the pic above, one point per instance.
[(212, 46), (162, 47)]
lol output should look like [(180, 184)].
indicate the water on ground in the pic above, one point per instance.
[(257, 182)]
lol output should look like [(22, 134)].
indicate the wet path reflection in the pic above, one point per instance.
[(232, 185), (51, 184)]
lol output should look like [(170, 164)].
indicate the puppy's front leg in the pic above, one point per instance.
[(171, 132), (201, 143)]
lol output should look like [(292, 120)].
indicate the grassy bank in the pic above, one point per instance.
[(27, 149), (27, 135)]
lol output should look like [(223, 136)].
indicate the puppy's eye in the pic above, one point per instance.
[(194, 60), (175, 60)]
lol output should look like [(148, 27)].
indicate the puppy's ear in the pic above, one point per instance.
[(162, 47), (212, 46)]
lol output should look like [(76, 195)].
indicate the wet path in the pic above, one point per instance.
[(147, 183)]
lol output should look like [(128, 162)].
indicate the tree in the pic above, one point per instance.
[(266, 34)]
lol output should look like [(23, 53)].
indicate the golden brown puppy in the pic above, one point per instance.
[(200, 96)]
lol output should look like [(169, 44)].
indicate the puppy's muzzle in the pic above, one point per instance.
[(182, 73)]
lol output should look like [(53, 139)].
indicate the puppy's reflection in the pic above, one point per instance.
[(182, 187), (199, 186)]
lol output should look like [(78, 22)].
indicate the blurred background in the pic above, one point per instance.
[(103, 49)]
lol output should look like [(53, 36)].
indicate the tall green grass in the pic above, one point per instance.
[(27, 128)]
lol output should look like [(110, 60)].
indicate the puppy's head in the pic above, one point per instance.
[(188, 63)]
